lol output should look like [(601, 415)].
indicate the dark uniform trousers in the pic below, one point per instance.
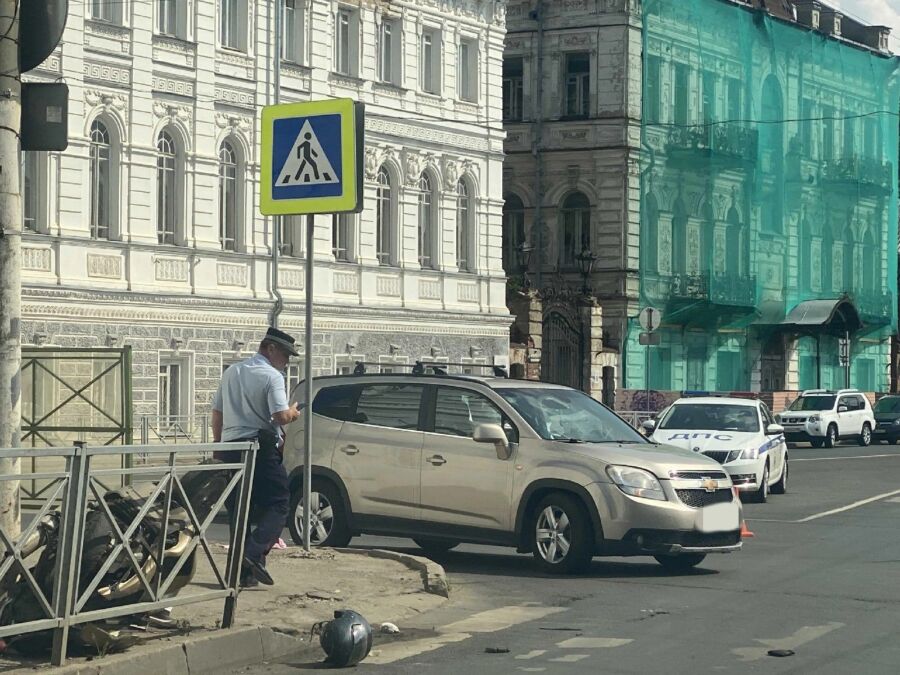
[(269, 498)]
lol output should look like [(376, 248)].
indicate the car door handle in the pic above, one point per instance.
[(437, 460), (350, 450)]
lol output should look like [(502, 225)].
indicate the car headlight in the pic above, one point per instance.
[(636, 482), (733, 455), (815, 418), (897, 421), (750, 453)]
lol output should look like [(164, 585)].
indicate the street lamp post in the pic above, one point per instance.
[(523, 258), (586, 260)]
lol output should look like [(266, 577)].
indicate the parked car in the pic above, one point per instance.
[(445, 459), (824, 417), (738, 433), (887, 419)]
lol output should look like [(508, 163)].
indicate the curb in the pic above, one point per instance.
[(434, 578), (224, 649)]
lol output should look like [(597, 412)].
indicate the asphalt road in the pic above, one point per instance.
[(818, 579)]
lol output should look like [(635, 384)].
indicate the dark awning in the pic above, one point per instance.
[(838, 314)]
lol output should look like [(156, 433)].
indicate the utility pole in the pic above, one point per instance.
[(10, 261)]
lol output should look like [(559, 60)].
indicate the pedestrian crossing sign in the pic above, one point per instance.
[(312, 158)]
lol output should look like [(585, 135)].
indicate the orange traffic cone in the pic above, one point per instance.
[(745, 531)]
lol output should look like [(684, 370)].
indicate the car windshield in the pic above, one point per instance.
[(569, 415), (712, 417), (813, 403), (889, 404)]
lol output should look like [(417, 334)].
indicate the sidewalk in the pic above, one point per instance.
[(275, 621)]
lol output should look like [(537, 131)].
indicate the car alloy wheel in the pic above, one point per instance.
[(552, 532), (865, 437), (321, 518), (831, 436)]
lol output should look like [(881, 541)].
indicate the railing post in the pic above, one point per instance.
[(238, 535), (65, 574)]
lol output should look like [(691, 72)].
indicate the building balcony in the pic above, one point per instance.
[(723, 291), (722, 145), (866, 176), (875, 308)]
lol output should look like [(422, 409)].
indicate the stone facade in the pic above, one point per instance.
[(594, 185), (188, 287)]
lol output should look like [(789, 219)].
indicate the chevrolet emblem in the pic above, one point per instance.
[(710, 485)]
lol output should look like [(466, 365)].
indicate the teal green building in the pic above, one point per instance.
[(768, 199)]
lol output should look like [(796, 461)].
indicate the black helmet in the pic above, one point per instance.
[(346, 639)]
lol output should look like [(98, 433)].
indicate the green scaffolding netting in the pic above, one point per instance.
[(768, 180)]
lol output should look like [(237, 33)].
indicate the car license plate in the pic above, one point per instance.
[(718, 518)]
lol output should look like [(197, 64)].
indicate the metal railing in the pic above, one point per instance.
[(79, 484), (635, 417)]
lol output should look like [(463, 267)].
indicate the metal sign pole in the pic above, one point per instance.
[(647, 376), (307, 410), (847, 359)]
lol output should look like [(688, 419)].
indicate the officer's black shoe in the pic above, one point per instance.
[(258, 570), (248, 580)]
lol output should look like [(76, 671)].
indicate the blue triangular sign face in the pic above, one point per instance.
[(307, 163)]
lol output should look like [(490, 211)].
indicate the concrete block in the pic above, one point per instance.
[(233, 648), (276, 645), (168, 659)]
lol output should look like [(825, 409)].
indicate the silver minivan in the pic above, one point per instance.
[(543, 468)]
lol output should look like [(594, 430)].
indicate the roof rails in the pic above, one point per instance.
[(829, 391), (421, 368)]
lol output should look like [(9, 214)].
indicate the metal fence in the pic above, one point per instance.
[(635, 417), (80, 483)]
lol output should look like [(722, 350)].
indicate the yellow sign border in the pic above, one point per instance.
[(348, 200)]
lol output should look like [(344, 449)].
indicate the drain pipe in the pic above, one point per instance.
[(537, 142), (276, 220)]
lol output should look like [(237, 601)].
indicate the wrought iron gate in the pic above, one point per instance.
[(563, 352)]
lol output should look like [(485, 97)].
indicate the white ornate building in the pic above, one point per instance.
[(146, 230)]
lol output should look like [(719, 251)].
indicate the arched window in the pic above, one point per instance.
[(33, 187), (166, 192), (576, 228), (771, 143), (734, 244), (426, 223), (384, 218), (228, 201), (513, 233), (827, 260), (100, 177), (650, 242), (679, 237), (848, 276), (872, 265), (463, 227)]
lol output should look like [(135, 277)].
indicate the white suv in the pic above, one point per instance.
[(824, 417)]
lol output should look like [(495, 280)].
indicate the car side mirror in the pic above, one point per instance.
[(648, 425), (842, 408), (493, 433), (774, 430)]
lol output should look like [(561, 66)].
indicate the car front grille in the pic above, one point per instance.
[(698, 475), (699, 498), (795, 420)]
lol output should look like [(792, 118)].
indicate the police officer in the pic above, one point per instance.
[(252, 404)]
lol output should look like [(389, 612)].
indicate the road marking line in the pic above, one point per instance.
[(841, 509), (800, 637), (489, 621), (854, 505), (592, 643), (533, 654), (403, 650), (532, 670), (894, 500), (501, 618), (833, 459), (571, 658)]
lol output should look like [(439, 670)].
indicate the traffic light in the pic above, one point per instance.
[(45, 106)]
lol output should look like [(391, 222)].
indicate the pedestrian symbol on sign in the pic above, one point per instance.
[(307, 163)]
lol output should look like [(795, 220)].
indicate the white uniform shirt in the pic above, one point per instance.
[(250, 393)]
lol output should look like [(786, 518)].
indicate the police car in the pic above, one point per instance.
[(739, 433)]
